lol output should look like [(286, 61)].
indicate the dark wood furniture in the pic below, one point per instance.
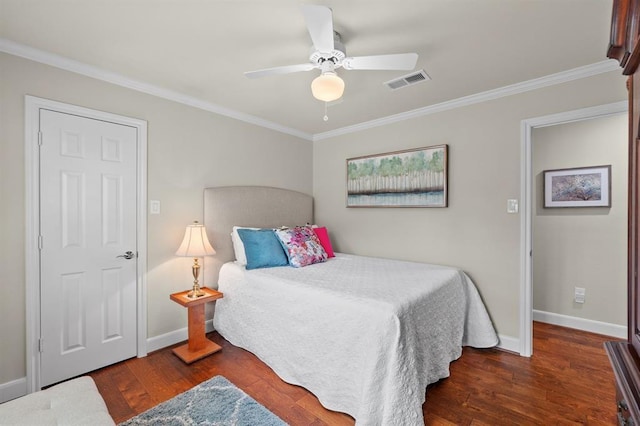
[(198, 346), (624, 47)]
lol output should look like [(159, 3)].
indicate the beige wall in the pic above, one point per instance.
[(188, 149), (474, 233), (582, 247)]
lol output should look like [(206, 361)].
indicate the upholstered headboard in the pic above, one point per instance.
[(254, 206)]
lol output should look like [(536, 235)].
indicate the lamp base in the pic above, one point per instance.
[(195, 293)]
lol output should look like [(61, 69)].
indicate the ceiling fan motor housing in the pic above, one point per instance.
[(337, 55)]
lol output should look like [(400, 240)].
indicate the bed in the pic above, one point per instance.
[(365, 335)]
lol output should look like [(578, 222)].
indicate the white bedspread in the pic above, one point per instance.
[(365, 335)]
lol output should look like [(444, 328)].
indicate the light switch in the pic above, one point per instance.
[(154, 206), (512, 206)]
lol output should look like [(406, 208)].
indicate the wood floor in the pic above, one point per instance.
[(567, 381)]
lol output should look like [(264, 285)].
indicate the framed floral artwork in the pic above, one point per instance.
[(578, 187)]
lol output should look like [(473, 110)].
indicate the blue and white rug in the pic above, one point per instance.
[(214, 402)]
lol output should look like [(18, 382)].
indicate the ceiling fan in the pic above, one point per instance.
[(329, 54)]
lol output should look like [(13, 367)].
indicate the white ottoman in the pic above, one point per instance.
[(76, 402)]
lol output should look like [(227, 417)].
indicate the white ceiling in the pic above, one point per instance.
[(200, 48)]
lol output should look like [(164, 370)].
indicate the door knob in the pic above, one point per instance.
[(128, 255)]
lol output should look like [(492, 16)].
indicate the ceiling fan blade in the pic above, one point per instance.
[(319, 21), (280, 70), (400, 61)]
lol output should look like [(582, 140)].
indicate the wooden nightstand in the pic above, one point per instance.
[(198, 346)]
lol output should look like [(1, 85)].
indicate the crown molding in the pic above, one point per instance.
[(61, 62), (501, 92), (47, 58)]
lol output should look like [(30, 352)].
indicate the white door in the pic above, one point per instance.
[(87, 223)]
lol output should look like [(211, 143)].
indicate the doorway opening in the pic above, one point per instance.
[(529, 205)]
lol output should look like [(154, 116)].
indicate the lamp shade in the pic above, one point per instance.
[(195, 242), (327, 87)]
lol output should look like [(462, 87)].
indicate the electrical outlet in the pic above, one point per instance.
[(579, 294)]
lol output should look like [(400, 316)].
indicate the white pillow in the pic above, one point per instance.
[(238, 246)]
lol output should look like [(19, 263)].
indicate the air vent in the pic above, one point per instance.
[(408, 80)]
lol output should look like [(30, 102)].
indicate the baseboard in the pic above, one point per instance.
[(13, 389), (173, 337), (509, 343), (607, 329)]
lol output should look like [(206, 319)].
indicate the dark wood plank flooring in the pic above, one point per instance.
[(567, 381)]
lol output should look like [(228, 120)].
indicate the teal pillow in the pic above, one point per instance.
[(262, 248)]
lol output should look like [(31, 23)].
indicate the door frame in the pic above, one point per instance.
[(527, 204), (33, 105)]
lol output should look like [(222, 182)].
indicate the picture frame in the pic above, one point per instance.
[(410, 178), (578, 187)]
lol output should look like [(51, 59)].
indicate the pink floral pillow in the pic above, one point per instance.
[(301, 245)]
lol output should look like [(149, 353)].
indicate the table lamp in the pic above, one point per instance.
[(195, 244)]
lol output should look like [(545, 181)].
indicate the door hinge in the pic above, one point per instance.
[(39, 138), (41, 345), (39, 242)]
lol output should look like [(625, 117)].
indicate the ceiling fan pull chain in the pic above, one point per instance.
[(326, 117)]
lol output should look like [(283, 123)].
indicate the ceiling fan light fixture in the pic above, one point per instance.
[(327, 87)]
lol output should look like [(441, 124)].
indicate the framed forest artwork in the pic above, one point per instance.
[(578, 187), (409, 178)]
